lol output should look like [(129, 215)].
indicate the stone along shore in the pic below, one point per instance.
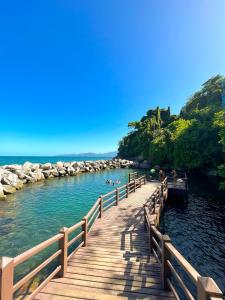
[(13, 177)]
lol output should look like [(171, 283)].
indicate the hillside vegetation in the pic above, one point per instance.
[(194, 139)]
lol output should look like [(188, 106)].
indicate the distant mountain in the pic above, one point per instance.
[(91, 154)]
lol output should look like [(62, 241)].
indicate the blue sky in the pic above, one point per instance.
[(74, 73)]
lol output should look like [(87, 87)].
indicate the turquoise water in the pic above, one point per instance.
[(38, 211), (7, 160)]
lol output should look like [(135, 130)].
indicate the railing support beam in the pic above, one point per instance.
[(117, 197), (101, 207), (6, 277), (64, 247), (165, 270), (206, 287), (85, 230)]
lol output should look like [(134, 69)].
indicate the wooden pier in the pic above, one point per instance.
[(115, 252)]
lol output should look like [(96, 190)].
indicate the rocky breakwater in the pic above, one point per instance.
[(13, 177)]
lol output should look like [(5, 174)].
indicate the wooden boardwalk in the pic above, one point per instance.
[(115, 252), (116, 264)]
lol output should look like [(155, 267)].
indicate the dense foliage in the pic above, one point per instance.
[(194, 139)]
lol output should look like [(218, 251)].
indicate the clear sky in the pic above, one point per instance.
[(73, 73)]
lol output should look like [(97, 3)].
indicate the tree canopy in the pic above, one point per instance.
[(194, 139)]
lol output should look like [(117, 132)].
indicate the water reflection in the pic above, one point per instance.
[(196, 226)]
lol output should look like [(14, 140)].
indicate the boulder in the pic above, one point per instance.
[(8, 189), (59, 164), (2, 196), (9, 179), (13, 168), (21, 174), (70, 170), (35, 167), (54, 172), (27, 166), (62, 171), (67, 164), (38, 175), (75, 164), (47, 166)]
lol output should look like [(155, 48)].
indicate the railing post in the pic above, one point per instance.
[(207, 287), (129, 177), (162, 188), (101, 207), (165, 270), (117, 196), (145, 179), (134, 185), (145, 217), (6, 277), (127, 187), (84, 228), (63, 256)]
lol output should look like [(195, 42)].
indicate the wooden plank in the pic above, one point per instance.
[(114, 275), (113, 269), (56, 284), (137, 266), (78, 295), (119, 281)]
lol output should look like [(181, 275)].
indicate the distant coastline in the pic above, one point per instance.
[(14, 176), (8, 160)]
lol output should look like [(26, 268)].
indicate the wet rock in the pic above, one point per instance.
[(54, 172), (8, 189), (2, 196), (9, 179), (70, 170)]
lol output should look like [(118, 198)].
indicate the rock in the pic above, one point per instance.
[(9, 179), (75, 164), (27, 166), (67, 164), (35, 167), (47, 166), (70, 170), (8, 189), (46, 173), (21, 174), (59, 164), (2, 196), (13, 168), (38, 175), (55, 173), (62, 171)]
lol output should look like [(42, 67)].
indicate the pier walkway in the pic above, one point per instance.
[(116, 260), (115, 252)]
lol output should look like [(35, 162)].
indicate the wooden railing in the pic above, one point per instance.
[(166, 254), (69, 241), (133, 176)]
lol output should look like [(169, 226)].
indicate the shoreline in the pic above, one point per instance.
[(14, 177)]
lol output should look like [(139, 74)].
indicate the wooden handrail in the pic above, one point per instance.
[(93, 208), (192, 273), (74, 227), (35, 271), (31, 252), (206, 287)]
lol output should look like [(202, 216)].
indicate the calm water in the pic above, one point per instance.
[(7, 160), (38, 211), (196, 226)]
